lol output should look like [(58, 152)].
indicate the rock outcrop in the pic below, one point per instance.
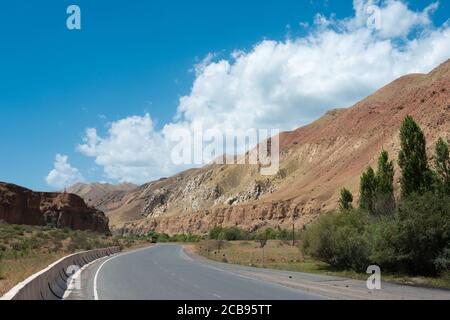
[(316, 162), (61, 210)]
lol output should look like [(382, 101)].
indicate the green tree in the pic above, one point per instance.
[(384, 201), (231, 234), (346, 200), (417, 239), (442, 164), (367, 189), (385, 174), (215, 232), (416, 174)]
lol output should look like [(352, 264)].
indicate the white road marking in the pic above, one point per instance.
[(71, 287), (237, 273), (184, 256), (96, 276), (96, 297)]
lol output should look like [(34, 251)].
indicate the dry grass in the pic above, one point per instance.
[(14, 271), (25, 250), (277, 254)]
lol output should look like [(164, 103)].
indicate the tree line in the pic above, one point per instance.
[(377, 189), (411, 234)]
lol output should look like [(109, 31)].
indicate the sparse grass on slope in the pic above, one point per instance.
[(25, 250)]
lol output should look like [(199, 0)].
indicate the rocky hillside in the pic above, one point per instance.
[(316, 162), (62, 210), (103, 196)]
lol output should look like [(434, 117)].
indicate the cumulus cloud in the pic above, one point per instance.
[(392, 17), (132, 151), (282, 84), (63, 174)]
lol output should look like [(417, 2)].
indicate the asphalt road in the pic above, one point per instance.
[(165, 272)]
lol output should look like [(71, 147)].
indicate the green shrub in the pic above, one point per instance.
[(235, 234), (442, 263), (267, 234), (228, 234), (340, 239), (284, 234), (193, 238), (417, 239), (78, 241), (346, 199), (1, 264), (163, 238), (178, 238), (214, 233), (232, 234)]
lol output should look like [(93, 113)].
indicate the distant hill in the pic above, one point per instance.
[(316, 162), (103, 196), (19, 205)]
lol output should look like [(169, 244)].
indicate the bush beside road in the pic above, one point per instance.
[(281, 255)]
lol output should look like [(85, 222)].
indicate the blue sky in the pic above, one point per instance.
[(138, 58)]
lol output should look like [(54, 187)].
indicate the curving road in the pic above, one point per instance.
[(166, 272)]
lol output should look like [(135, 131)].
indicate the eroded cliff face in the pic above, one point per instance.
[(250, 217), (61, 210), (316, 162)]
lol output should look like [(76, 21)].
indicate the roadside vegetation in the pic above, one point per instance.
[(220, 234), (25, 250), (164, 238), (235, 234), (281, 255), (277, 254), (409, 236)]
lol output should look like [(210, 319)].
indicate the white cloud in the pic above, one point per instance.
[(285, 84), (200, 67), (63, 174), (132, 152), (395, 18), (281, 84)]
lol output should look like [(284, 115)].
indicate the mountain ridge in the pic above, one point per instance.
[(101, 195), (317, 160)]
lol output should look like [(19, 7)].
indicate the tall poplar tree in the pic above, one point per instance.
[(416, 174), (442, 164)]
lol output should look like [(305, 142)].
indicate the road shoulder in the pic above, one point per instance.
[(86, 277), (328, 286)]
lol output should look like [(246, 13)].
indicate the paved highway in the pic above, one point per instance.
[(166, 272)]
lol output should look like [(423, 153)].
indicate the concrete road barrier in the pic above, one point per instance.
[(52, 282)]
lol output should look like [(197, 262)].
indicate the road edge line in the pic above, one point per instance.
[(96, 297)]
